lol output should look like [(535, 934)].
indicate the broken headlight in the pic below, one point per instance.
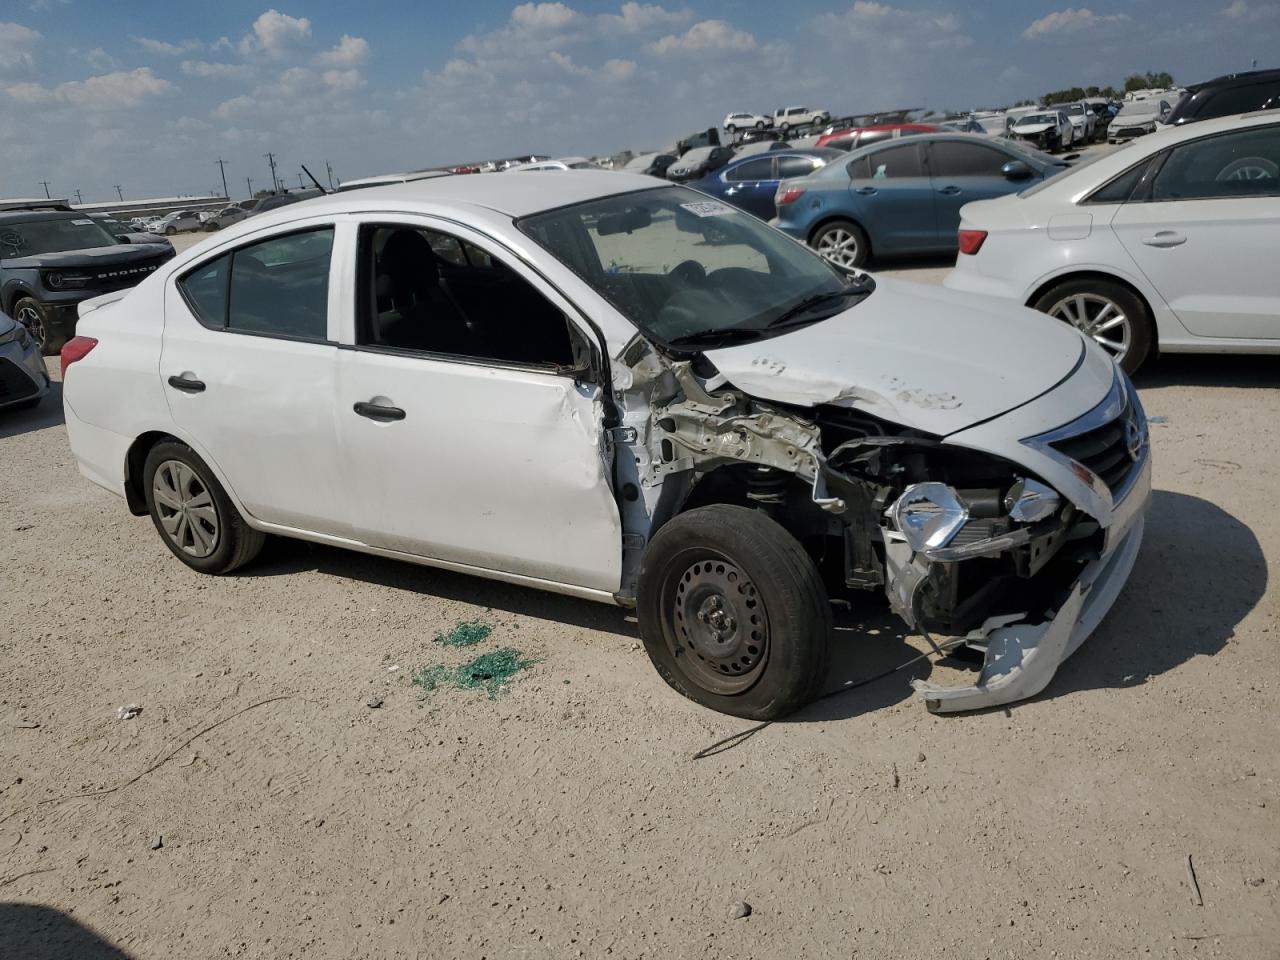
[(928, 515)]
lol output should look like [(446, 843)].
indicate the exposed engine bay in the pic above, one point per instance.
[(961, 542)]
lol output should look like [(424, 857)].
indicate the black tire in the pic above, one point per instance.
[(779, 657), (784, 127), (1141, 327), (863, 246), (235, 542), (759, 124), (32, 314), (169, 231)]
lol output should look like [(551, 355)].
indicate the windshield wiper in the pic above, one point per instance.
[(722, 337), (809, 303)]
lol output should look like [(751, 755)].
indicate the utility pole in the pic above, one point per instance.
[(120, 193), (301, 183), (78, 197), (46, 189), (275, 184), (222, 167), (249, 184), (328, 167)]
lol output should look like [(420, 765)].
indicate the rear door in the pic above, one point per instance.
[(892, 197), (960, 172), (1205, 233), (751, 185), (247, 363)]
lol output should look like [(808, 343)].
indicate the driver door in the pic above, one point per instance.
[(466, 435), (1205, 234)]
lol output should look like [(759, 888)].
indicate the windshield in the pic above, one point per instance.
[(696, 155), (1039, 118), (691, 271), (1076, 109), (1138, 108), (32, 237)]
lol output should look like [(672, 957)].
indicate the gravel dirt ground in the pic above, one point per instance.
[(259, 807)]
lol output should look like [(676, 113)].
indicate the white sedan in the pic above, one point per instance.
[(1168, 244), (624, 391)]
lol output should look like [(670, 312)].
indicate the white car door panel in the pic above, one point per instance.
[(1207, 237), (260, 406), (489, 462), (492, 467)]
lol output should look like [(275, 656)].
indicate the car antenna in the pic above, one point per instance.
[(313, 179)]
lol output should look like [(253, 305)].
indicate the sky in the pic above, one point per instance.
[(148, 95)]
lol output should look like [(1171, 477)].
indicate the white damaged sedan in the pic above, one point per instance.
[(623, 391)]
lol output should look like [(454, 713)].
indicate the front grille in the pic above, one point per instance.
[(14, 384), (1104, 450)]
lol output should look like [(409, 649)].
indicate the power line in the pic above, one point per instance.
[(222, 167)]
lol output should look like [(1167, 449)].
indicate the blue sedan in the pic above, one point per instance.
[(751, 182), (903, 196)]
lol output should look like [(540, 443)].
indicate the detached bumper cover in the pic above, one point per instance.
[(1022, 658)]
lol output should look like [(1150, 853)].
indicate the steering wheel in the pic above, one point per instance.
[(1249, 168), (689, 272)]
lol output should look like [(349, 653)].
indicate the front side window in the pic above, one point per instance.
[(1243, 163), (691, 272), (953, 158), (278, 287), (426, 291)]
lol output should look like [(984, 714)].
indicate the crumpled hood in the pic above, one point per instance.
[(923, 357), (1032, 129)]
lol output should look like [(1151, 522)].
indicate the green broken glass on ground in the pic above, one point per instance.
[(488, 672), (465, 634)]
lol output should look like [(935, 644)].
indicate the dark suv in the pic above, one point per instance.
[(52, 257), (1234, 93)]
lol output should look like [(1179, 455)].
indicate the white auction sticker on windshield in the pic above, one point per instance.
[(707, 208), (83, 223)]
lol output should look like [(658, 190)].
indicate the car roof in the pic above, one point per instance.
[(32, 216)]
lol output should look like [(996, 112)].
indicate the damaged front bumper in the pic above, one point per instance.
[(1021, 658)]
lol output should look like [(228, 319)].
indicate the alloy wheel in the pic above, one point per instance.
[(30, 318), (185, 508), (721, 631), (1097, 317), (839, 246)]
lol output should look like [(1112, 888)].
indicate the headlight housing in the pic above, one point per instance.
[(928, 515), (57, 280)]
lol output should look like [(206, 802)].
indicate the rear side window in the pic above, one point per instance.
[(1243, 163), (761, 169), (1120, 188), (795, 167), (1257, 96), (277, 287)]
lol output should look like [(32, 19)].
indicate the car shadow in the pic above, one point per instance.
[(283, 557), (35, 932), (47, 413), (1209, 370)]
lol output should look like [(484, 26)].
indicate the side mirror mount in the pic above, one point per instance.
[(122, 237), (1016, 170)]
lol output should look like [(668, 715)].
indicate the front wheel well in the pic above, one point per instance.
[(134, 493)]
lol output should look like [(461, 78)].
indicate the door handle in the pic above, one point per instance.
[(1165, 238), (950, 191), (378, 411), (186, 382), (866, 191)]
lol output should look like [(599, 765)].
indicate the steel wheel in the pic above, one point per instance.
[(30, 317), (720, 629), (840, 246), (186, 509), (1100, 318)]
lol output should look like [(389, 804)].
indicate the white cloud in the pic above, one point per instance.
[(207, 69), (638, 17), (889, 28), (1070, 20), (109, 91), (706, 35), (99, 59), (343, 79), (349, 52), (1243, 12), (165, 48), (566, 63), (16, 42), (543, 16), (275, 34), (618, 69)]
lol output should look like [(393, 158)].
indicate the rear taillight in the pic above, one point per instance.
[(77, 348), (789, 195), (971, 241)]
